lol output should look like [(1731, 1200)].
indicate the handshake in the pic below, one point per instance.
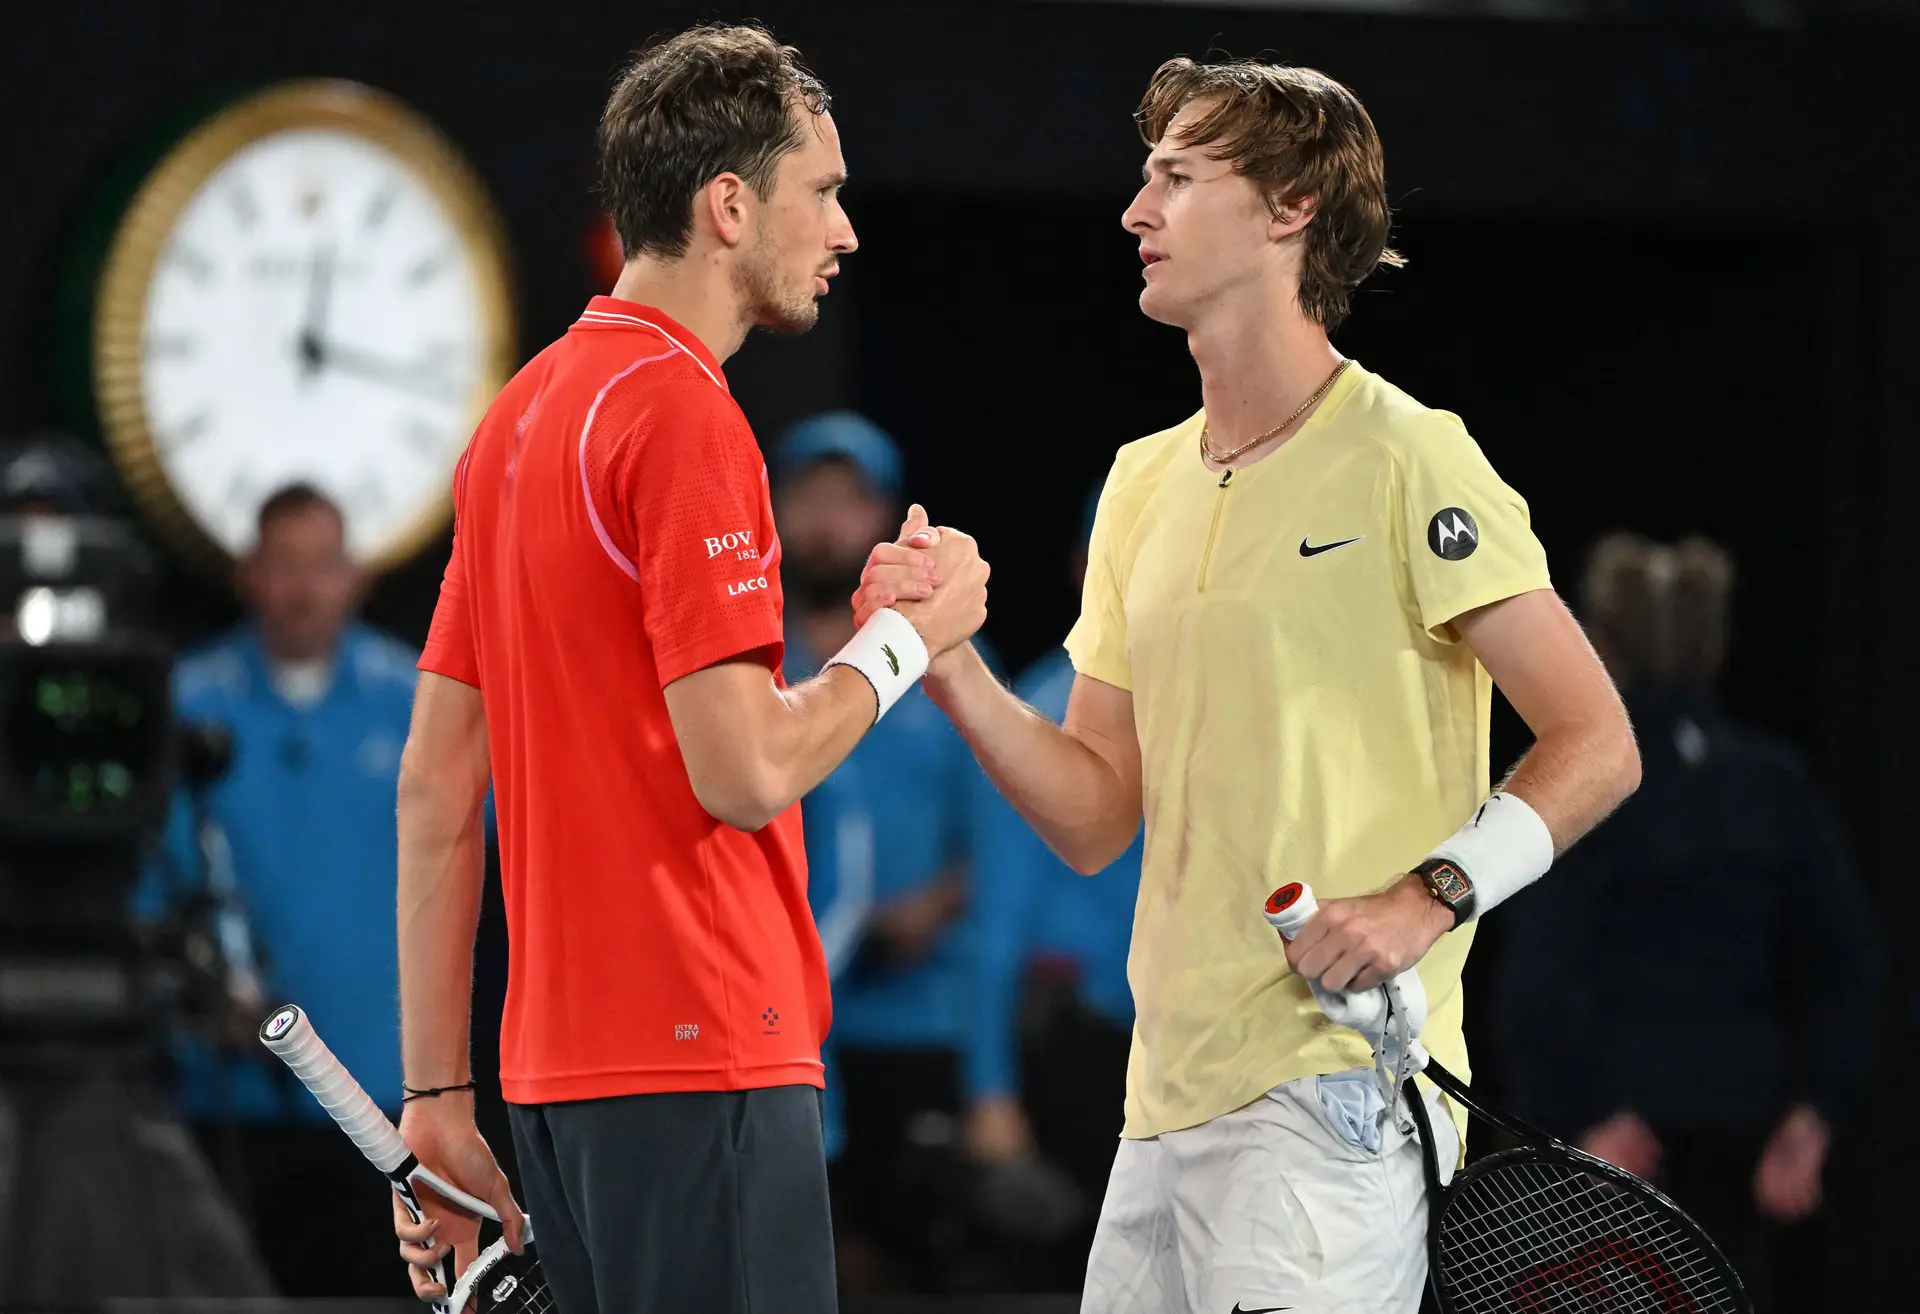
[(932, 576)]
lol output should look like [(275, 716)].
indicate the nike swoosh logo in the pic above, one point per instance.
[(1270, 1309), (1308, 550)]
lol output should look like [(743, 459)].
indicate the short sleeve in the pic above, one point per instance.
[(1468, 537), (692, 495), (1098, 641), (450, 650)]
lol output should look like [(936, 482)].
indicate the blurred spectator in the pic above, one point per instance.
[(1053, 1014), (839, 838), (303, 828), (1691, 993), (900, 1018)]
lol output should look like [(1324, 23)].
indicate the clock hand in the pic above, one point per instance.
[(423, 379), (313, 349)]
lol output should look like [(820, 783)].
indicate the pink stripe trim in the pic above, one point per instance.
[(608, 317), (620, 558)]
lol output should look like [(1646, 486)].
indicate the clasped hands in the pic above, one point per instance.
[(931, 575)]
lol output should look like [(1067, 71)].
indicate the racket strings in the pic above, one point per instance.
[(1540, 1237), (536, 1299), (513, 1284)]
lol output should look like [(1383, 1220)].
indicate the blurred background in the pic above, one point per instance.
[(1655, 265)]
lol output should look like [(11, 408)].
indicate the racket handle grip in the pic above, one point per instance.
[(292, 1038), (1288, 910)]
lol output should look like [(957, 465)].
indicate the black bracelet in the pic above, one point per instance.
[(409, 1093)]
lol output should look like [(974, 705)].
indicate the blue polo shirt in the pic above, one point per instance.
[(1028, 904), (308, 812), (915, 778), (838, 825)]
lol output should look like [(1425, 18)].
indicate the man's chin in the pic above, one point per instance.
[(1155, 305), (789, 320)]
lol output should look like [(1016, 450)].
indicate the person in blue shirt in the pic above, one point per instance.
[(1049, 947), (838, 824), (901, 1011), (302, 824)]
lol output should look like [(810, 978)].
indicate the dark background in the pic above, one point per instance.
[(1659, 269)]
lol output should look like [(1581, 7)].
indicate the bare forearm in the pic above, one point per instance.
[(816, 726), (441, 868), (1575, 776), (1068, 791)]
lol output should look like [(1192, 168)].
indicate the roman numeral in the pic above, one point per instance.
[(242, 494), (170, 346), (187, 432), (194, 263), (246, 210), (427, 270), (381, 205)]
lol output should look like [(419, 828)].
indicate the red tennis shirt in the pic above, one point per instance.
[(613, 534)]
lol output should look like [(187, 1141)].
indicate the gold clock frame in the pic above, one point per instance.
[(139, 240)]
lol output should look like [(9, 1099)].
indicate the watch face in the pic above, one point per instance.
[(320, 305), (1452, 885)]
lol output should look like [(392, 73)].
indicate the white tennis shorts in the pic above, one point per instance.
[(1304, 1200)]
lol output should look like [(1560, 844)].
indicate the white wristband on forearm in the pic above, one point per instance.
[(889, 652), (1502, 850)]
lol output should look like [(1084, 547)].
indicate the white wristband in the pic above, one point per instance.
[(889, 652), (1503, 849)]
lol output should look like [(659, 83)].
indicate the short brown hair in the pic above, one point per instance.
[(291, 499), (714, 99), (1296, 133)]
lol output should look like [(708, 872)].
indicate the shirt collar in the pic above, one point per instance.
[(346, 679), (613, 313)]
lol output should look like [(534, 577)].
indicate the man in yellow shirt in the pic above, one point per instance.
[(1296, 606)]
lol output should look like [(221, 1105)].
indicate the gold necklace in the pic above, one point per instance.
[(1221, 458)]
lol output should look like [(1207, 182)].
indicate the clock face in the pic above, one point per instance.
[(320, 298)]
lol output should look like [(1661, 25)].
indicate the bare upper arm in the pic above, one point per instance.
[(1100, 716), (1539, 657), (717, 712), (446, 749)]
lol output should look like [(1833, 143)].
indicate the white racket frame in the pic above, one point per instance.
[(289, 1033)]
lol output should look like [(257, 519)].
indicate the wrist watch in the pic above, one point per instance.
[(1448, 882)]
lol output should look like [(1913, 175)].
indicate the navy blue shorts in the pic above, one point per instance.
[(710, 1202)]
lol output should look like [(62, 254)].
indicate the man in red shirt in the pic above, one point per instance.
[(607, 650)]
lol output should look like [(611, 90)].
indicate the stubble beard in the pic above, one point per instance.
[(769, 305)]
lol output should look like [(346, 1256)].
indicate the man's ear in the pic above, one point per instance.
[(727, 202), (1292, 217)]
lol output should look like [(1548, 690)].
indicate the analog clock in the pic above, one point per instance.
[(311, 285)]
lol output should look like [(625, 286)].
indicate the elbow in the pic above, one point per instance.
[(1626, 756), (1089, 855), (743, 798), (1089, 862), (430, 805), (420, 791)]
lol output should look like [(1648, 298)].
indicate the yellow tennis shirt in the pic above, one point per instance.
[(1305, 713)]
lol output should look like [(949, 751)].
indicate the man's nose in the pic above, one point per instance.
[(1139, 216)]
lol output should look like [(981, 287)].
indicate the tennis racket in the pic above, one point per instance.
[(1540, 1228), (497, 1279)]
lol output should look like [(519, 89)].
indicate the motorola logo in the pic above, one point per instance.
[(1452, 534)]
